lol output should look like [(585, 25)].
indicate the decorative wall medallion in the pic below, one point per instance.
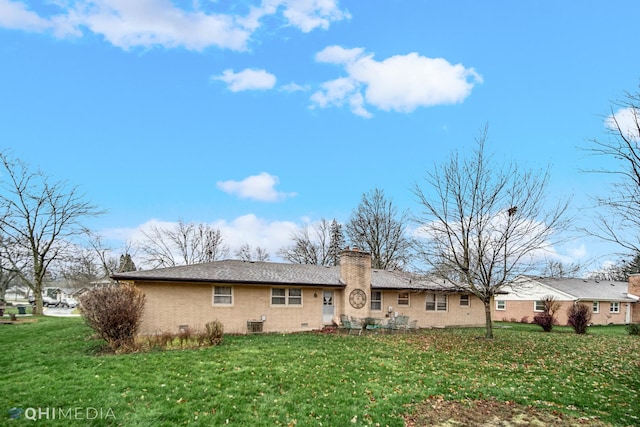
[(357, 298)]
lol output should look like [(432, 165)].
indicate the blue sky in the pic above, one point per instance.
[(259, 117)]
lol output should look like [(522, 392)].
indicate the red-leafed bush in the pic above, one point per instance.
[(115, 313), (547, 318), (579, 317)]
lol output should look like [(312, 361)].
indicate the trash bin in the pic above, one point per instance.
[(22, 309)]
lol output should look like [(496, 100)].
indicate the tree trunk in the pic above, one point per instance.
[(488, 321), (37, 295)]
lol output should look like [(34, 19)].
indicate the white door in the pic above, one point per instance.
[(627, 316), (327, 307)]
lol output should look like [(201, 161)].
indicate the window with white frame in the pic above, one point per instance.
[(538, 306), (286, 296), (501, 304), (403, 298), (376, 300), (222, 295), (596, 306), (614, 307), (436, 302), (464, 301)]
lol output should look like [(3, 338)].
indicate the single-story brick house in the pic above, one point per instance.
[(276, 297), (612, 302)]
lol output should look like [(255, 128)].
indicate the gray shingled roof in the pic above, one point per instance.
[(236, 271), (589, 289), (269, 273)]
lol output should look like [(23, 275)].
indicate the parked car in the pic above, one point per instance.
[(69, 302), (46, 301)]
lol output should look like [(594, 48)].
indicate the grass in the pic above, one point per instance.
[(317, 379)]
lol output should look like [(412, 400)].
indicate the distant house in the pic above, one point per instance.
[(611, 302), (276, 297)]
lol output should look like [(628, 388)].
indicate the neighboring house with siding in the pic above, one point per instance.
[(276, 297), (611, 302)]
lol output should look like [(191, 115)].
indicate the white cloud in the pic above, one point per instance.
[(15, 15), (307, 15), (148, 23), (256, 187), (628, 121), (294, 87), (248, 79), (400, 83), (249, 229)]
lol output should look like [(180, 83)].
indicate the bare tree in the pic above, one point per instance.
[(483, 224), (7, 273), (247, 253), (183, 244), (619, 217), (559, 269), (39, 219), (618, 271), (377, 227), (311, 245)]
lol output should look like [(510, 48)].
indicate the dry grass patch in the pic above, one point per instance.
[(438, 412)]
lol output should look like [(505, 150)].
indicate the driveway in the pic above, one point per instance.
[(59, 312)]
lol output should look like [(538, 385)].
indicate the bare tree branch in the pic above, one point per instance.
[(483, 224), (39, 220), (377, 227), (183, 244)]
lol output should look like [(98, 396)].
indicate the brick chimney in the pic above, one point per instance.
[(355, 273)]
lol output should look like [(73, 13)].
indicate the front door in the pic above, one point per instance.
[(328, 311)]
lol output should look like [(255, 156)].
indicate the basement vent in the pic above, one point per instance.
[(254, 326)]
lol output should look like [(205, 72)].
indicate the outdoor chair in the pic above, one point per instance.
[(401, 323), (354, 325)]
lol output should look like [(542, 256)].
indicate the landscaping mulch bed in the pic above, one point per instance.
[(438, 412)]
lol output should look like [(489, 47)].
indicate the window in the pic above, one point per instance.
[(464, 301), (436, 302), (403, 298), (286, 296), (222, 295), (538, 306), (614, 307), (596, 306), (376, 300), (501, 304)]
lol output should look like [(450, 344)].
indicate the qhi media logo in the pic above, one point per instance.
[(52, 413)]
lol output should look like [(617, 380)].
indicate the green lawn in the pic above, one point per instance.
[(315, 379)]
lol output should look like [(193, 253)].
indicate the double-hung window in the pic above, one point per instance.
[(403, 299), (222, 295), (596, 306), (286, 296), (614, 307), (436, 302), (538, 306), (464, 301), (501, 304), (376, 300)]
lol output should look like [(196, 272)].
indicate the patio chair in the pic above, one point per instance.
[(401, 323), (354, 325)]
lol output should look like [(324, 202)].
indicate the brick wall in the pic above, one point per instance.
[(518, 310), (170, 306), (355, 272)]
